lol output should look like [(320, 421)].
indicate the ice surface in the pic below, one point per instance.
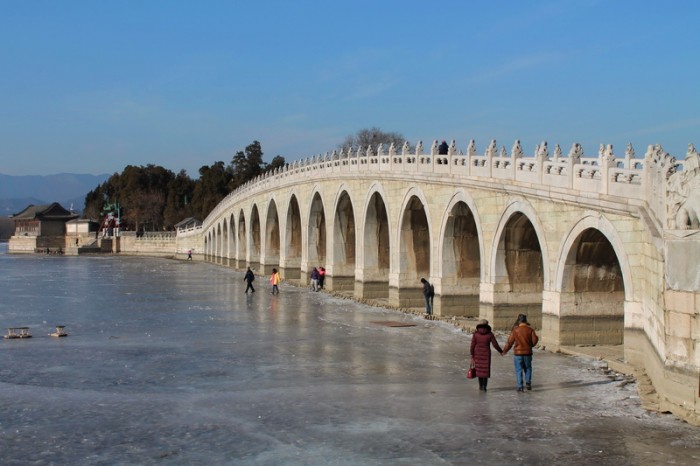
[(169, 362)]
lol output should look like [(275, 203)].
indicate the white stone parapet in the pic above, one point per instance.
[(646, 182)]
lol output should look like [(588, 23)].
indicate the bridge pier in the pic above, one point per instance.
[(503, 316), (371, 289), (501, 306), (266, 269), (591, 318), (406, 297), (255, 265), (340, 277), (456, 296), (340, 283), (461, 305), (289, 272)]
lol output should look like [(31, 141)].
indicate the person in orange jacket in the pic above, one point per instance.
[(275, 280), (524, 338)]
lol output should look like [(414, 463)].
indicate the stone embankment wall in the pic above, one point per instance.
[(32, 244), (165, 244)]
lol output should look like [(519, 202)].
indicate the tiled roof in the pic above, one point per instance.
[(48, 211)]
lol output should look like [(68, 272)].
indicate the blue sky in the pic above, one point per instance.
[(93, 86)]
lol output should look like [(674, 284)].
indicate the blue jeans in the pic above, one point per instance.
[(522, 363), (428, 305)]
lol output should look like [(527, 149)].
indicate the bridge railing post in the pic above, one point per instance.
[(606, 159), (490, 153)]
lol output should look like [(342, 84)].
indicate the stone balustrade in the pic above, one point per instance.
[(625, 180)]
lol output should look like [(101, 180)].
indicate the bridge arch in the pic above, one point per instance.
[(343, 242), (372, 272), (316, 232), (414, 238), (231, 243), (219, 243), (242, 239), (255, 238), (293, 240), (593, 281), (272, 238), (224, 241), (461, 251), (518, 273), (414, 259)]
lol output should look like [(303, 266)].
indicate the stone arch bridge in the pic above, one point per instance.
[(598, 250)]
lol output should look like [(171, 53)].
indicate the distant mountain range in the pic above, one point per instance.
[(68, 189)]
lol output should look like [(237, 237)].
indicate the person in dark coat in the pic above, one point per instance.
[(428, 294), (249, 278), (314, 280), (482, 339)]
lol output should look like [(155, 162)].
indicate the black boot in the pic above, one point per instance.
[(486, 381)]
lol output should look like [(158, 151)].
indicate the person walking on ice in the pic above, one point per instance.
[(275, 281), (249, 278), (524, 338), (480, 351)]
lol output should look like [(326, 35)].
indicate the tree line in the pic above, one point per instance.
[(153, 198)]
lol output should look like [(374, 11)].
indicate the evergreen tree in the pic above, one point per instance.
[(277, 162), (247, 165), (178, 204), (211, 188), (155, 198)]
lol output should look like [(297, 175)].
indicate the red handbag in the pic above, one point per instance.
[(471, 373)]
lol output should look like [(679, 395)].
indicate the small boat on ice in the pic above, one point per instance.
[(17, 332), (60, 332)]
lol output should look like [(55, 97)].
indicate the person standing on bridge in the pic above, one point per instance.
[(524, 338), (249, 278), (443, 148)]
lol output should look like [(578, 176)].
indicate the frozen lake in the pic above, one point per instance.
[(169, 362)]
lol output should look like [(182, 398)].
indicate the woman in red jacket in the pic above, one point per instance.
[(482, 339)]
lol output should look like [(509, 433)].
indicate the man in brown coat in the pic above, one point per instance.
[(524, 338)]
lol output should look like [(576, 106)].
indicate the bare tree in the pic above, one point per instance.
[(372, 137)]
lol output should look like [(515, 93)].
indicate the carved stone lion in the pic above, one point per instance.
[(683, 194)]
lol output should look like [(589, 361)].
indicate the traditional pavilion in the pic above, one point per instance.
[(41, 228)]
